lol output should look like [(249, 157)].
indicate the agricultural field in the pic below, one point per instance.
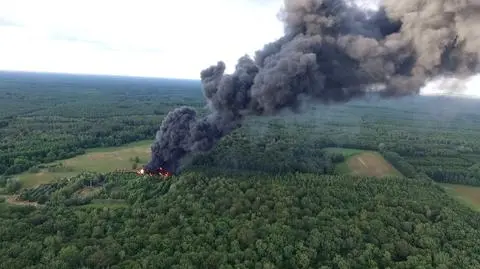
[(363, 163), (468, 195), (96, 160), (371, 164)]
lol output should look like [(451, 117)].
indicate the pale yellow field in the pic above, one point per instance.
[(96, 160), (371, 164), (364, 163), (469, 195)]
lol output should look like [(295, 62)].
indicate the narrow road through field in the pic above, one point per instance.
[(364, 164)]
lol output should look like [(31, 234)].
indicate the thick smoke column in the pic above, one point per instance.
[(332, 51)]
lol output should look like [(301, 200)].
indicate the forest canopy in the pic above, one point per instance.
[(275, 193)]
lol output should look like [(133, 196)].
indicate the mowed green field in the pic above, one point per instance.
[(364, 163), (468, 195), (371, 163), (95, 160)]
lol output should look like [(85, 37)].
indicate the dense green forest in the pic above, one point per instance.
[(196, 220), (268, 196)]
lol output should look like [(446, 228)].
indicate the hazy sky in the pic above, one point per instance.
[(133, 37), (163, 38)]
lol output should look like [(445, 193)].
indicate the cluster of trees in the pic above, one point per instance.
[(274, 151), (42, 193), (213, 220), (470, 176), (9, 185)]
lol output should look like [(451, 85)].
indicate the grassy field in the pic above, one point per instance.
[(364, 163), (88, 191), (13, 200), (468, 195), (96, 160)]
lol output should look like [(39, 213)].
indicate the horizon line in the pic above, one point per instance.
[(94, 74), (3, 71)]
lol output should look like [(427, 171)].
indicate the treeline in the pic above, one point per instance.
[(400, 164), (275, 151), (203, 221), (456, 176)]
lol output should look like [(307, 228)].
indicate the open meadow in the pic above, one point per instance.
[(470, 195), (95, 160), (363, 163)]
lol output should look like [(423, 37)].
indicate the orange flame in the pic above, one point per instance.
[(161, 171)]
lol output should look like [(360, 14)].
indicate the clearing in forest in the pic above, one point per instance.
[(95, 160), (469, 195), (364, 163), (88, 191), (371, 164), (14, 200)]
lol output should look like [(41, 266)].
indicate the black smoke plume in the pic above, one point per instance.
[(332, 51)]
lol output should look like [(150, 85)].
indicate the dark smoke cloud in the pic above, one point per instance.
[(332, 51)]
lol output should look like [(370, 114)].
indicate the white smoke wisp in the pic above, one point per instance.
[(367, 5), (468, 87)]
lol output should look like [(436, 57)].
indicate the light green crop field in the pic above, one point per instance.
[(95, 160)]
